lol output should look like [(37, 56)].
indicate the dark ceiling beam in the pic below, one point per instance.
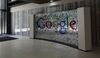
[(21, 2), (39, 1), (16, 3)]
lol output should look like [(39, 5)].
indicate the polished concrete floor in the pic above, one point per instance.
[(31, 48)]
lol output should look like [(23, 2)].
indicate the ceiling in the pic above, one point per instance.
[(39, 1), (21, 2)]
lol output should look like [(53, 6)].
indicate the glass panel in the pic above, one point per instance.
[(3, 16), (0, 22)]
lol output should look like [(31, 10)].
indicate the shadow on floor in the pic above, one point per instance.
[(6, 38)]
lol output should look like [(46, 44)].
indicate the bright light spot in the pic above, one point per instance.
[(53, 3), (23, 30), (17, 30)]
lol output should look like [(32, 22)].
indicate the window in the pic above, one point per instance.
[(3, 17)]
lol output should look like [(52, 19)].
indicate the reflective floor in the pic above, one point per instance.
[(30, 48)]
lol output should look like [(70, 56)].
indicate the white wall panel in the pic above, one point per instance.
[(84, 32), (21, 23)]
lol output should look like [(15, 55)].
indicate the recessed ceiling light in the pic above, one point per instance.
[(51, 1)]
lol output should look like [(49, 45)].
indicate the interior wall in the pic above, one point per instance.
[(98, 20), (22, 23), (58, 31), (95, 15), (84, 28), (17, 11)]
